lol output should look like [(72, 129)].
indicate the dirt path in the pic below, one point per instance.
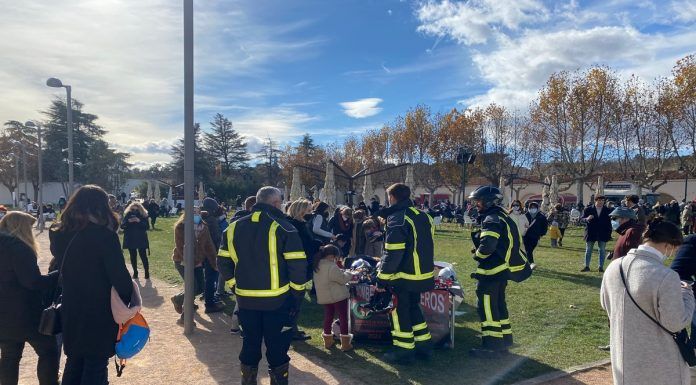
[(207, 357)]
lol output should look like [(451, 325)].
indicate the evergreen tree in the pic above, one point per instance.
[(203, 167), (225, 145)]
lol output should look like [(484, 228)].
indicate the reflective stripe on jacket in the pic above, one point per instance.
[(498, 244)]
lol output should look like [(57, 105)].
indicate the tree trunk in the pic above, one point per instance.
[(639, 190)]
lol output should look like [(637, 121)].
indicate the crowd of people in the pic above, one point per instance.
[(268, 253)]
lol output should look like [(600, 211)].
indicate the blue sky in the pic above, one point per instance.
[(330, 68)]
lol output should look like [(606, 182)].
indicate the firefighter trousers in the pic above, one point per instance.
[(408, 324), (496, 332), (275, 328)]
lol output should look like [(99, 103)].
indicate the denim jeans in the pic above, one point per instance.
[(86, 371), (589, 246), (11, 353), (211, 281)]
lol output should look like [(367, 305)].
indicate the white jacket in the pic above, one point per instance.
[(521, 221)]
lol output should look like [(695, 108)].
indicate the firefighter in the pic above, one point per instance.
[(270, 273), (407, 270), (500, 258)]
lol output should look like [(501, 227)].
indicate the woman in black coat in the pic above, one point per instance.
[(152, 211), (21, 292), (135, 239), (86, 244)]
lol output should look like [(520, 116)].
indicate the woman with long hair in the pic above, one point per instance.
[(204, 249), (635, 289), (134, 225), (516, 213), (86, 249), (21, 290), (320, 223)]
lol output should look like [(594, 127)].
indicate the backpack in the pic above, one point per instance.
[(131, 339)]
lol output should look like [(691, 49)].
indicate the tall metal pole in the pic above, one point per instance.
[(188, 167), (24, 170), (40, 160), (71, 159), (464, 166), (686, 186)]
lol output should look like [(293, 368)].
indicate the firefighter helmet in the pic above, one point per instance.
[(489, 196)]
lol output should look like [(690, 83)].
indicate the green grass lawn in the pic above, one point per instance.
[(556, 318)]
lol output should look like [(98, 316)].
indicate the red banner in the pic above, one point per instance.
[(436, 305)]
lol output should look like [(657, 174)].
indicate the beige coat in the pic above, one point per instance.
[(330, 283), (641, 352)]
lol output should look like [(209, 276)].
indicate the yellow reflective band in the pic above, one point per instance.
[(415, 210), (223, 253), (273, 255), (406, 276), (432, 225), (402, 334), (420, 326), (261, 293), (480, 254), (231, 282), (395, 246), (489, 333), (490, 234), (424, 337), (487, 307), (295, 255), (255, 216), (298, 287), (405, 345), (493, 271), (509, 253), (505, 322), (490, 323), (416, 258), (507, 331), (395, 322), (230, 242)]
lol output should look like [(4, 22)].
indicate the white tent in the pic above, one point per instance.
[(303, 191), (321, 194), (158, 195), (295, 191), (330, 186), (553, 191), (149, 190), (545, 196), (600, 186), (367, 189), (201, 193), (170, 196), (410, 179), (501, 187)]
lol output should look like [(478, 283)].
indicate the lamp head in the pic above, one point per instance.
[(53, 82)]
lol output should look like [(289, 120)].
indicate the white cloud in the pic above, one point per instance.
[(684, 10), (530, 43), (476, 21), (362, 108), (124, 60)]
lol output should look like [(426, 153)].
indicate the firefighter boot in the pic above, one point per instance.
[(328, 340), (400, 356), (249, 374), (424, 350), (346, 342), (279, 374)]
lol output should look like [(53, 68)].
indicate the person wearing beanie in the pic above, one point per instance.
[(625, 222)]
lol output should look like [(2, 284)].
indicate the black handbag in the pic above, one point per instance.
[(50, 322), (681, 338)]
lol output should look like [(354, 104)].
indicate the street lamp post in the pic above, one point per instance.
[(56, 83), (464, 159), (40, 223), (24, 167)]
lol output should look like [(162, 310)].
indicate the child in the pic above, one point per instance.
[(554, 234), (330, 282), (375, 239)]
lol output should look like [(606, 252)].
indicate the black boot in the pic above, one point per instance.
[(279, 374), (424, 350), (249, 374), (400, 356)]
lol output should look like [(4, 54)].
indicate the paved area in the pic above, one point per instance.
[(207, 357)]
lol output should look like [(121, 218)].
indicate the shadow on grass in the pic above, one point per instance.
[(581, 279)]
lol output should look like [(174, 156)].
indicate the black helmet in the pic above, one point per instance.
[(488, 195)]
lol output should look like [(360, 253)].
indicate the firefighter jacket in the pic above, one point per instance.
[(499, 248), (409, 249), (268, 261)]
